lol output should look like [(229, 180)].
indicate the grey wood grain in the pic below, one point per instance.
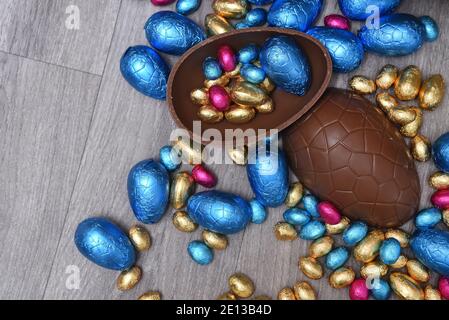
[(37, 29), (128, 127), (43, 129)]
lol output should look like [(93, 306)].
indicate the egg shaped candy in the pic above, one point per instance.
[(252, 73), (148, 190), (259, 213), (105, 244), (431, 248), (440, 151), (200, 252), (145, 71), (432, 31), (397, 35), (355, 233), (220, 212), (428, 218), (294, 14), (345, 49), (256, 17), (186, 7), (172, 33), (358, 9), (286, 64), (312, 230)]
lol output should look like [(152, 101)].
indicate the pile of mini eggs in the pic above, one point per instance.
[(406, 85), (235, 87)]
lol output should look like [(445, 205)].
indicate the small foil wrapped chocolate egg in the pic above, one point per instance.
[(227, 296), (227, 58), (148, 190), (304, 291), (219, 98), (428, 218), (431, 248), (405, 287), (440, 152), (443, 286), (256, 17), (162, 2), (172, 33), (211, 69), (252, 73), (337, 258), (358, 290), (344, 47), (401, 263), (329, 213), (408, 83), (386, 102), (140, 238), (420, 148), (105, 244), (247, 94), (387, 76), (284, 231), (151, 295), (321, 247), (294, 195), (186, 7), (311, 268), (216, 24), (362, 85), (400, 235), (286, 64), (248, 54), (210, 114), (294, 14), (432, 31), (145, 71), (241, 285), (182, 187), (402, 115), (240, 114), (359, 9), (417, 271), (439, 180), (259, 213), (266, 107), (199, 96), (203, 176), (220, 212), (431, 293), (373, 269), (432, 92), (341, 278), (231, 9), (128, 279), (214, 240), (368, 249), (381, 290), (337, 21), (200, 252), (268, 176), (169, 158), (183, 222), (286, 294), (312, 230), (339, 227), (296, 216), (355, 233), (389, 251), (310, 203)]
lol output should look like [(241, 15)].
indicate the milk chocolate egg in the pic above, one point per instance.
[(346, 151), (359, 9), (294, 14)]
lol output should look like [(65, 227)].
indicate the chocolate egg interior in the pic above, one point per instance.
[(187, 75)]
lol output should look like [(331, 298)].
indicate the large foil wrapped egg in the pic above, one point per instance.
[(359, 9), (286, 64), (294, 14), (105, 244), (221, 212), (172, 33), (148, 190), (344, 47), (145, 71)]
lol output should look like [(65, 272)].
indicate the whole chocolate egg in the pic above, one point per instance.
[(294, 14), (359, 9), (345, 150)]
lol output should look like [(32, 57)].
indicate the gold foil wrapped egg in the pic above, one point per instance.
[(266, 107), (182, 187), (199, 96), (210, 114), (411, 129), (247, 94), (417, 271), (368, 249), (400, 235), (446, 217), (241, 285), (321, 247), (294, 195), (408, 83), (227, 296), (190, 151), (402, 116), (373, 269), (286, 294), (431, 293), (400, 263), (362, 85), (240, 114), (151, 295), (262, 297), (439, 180), (233, 9), (285, 232), (342, 278), (386, 101), (183, 222), (387, 76), (128, 279), (216, 24), (223, 81), (140, 238), (405, 287), (304, 291), (420, 148), (238, 155), (267, 85), (432, 92), (339, 227), (214, 240), (311, 268)]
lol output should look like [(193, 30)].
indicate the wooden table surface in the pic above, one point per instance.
[(70, 130)]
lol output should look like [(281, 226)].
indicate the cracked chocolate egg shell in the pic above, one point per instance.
[(346, 151)]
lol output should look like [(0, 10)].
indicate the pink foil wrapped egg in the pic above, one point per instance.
[(443, 286), (440, 199), (203, 177), (359, 290), (227, 58), (219, 98), (162, 2), (329, 213), (337, 21)]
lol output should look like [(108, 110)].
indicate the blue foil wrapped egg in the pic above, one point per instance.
[(381, 290), (286, 64), (105, 244), (249, 53), (241, 25), (312, 230), (148, 190), (337, 258), (390, 250), (294, 14), (345, 49), (268, 176), (170, 158), (431, 247), (440, 151), (397, 35), (432, 31), (310, 203), (172, 33), (145, 71), (296, 216), (358, 9), (260, 2), (256, 17), (212, 69), (355, 233), (221, 212), (428, 218), (200, 252), (186, 7), (259, 213), (252, 73)]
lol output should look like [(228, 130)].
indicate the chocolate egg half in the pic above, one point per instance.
[(346, 151)]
